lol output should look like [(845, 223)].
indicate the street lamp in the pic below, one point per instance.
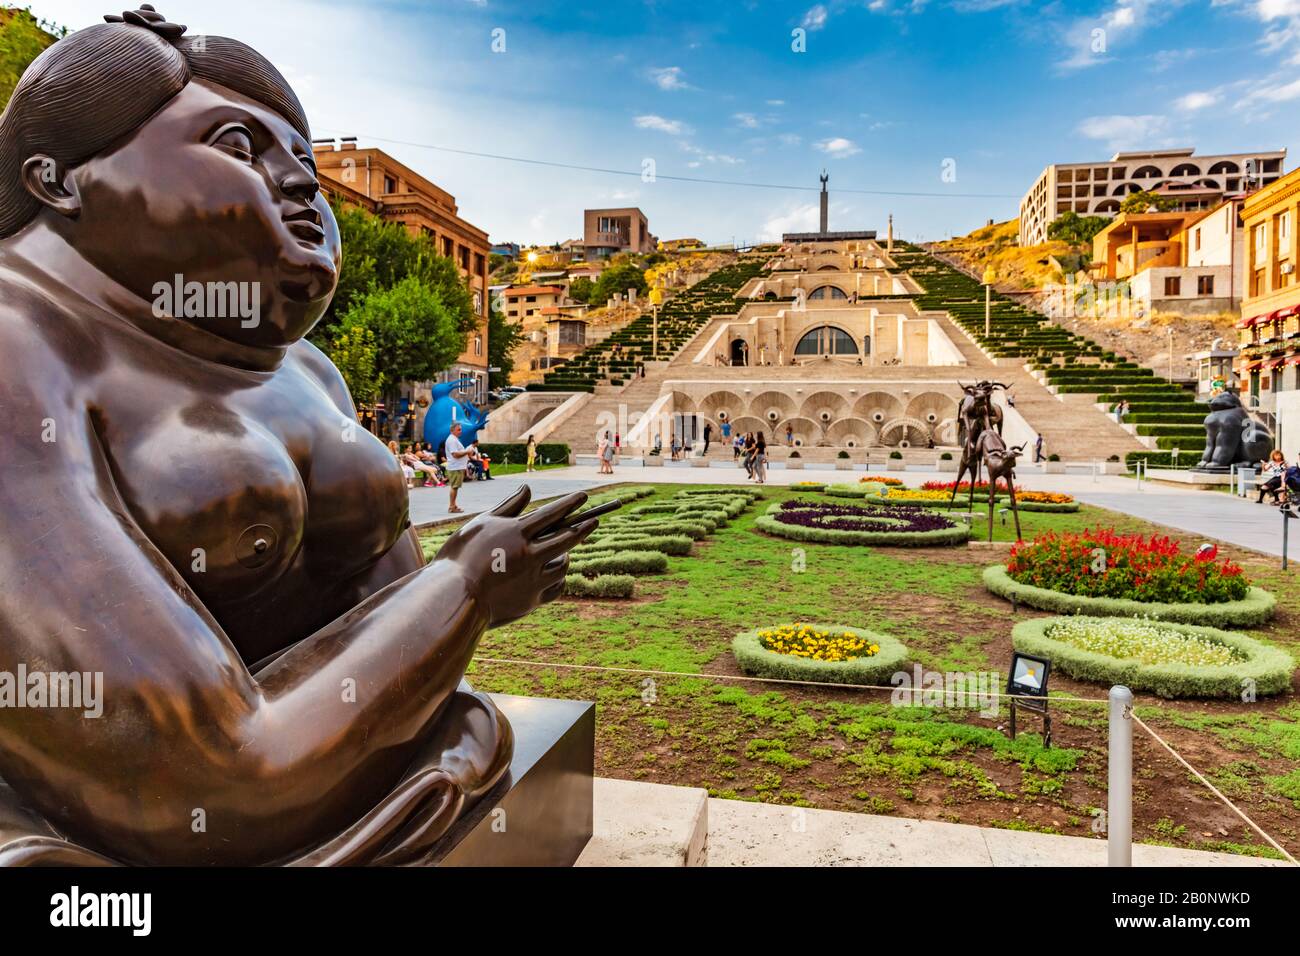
[(656, 298), (990, 277)]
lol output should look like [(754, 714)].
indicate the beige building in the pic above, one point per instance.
[(607, 232), (1270, 328), (1097, 189), (378, 183)]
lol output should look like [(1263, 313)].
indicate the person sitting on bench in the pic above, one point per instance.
[(1271, 476)]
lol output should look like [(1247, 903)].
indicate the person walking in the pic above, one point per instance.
[(747, 457), (726, 432), (676, 447), (457, 462), (608, 455), (1038, 449), (789, 434), (760, 459), (532, 454), (601, 445), (737, 444), (708, 437)]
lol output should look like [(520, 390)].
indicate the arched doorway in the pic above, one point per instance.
[(739, 352), (827, 292)]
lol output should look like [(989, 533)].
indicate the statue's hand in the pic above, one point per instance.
[(511, 563)]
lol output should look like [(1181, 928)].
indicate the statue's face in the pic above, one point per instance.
[(221, 191)]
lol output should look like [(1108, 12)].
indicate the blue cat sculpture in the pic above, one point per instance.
[(444, 411)]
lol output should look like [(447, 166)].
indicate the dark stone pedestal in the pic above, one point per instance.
[(541, 813)]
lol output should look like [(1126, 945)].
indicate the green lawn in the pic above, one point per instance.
[(850, 749)]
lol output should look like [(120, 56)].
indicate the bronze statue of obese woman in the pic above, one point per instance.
[(188, 508)]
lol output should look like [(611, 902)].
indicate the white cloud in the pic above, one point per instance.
[(1191, 102), (669, 78), (815, 18), (797, 219), (747, 120), (1091, 40), (837, 147), (790, 139), (671, 127), (1125, 132), (776, 102)]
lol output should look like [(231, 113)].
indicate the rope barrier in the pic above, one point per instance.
[(650, 672), (769, 680), (1213, 789)]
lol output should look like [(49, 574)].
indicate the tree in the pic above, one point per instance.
[(1075, 229), (1142, 201), (353, 352), (503, 338), (580, 289), (416, 334), (378, 255), (22, 39), (616, 280)]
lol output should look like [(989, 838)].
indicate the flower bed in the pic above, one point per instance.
[(1255, 608), (808, 486), (884, 480), (831, 523), (931, 498), (788, 652), (1170, 660), (860, 490)]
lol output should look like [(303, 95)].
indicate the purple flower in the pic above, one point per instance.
[(837, 517)]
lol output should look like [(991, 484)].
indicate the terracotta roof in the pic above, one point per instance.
[(533, 290)]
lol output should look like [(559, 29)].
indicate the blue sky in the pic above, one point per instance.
[(886, 95)]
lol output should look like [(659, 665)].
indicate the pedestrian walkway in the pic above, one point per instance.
[(429, 505), (1207, 514)]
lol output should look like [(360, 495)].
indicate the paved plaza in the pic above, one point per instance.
[(1209, 514)]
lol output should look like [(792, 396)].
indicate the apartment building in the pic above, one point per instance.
[(1098, 188), (1269, 364), (607, 232), (382, 185)]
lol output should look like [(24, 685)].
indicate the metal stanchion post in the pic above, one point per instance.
[(1119, 779)]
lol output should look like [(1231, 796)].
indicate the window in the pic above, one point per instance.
[(1257, 282), (1173, 286), (390, 184), (826, 340), (1196, 240), (827, 292), (478, 345), (1205, 285)]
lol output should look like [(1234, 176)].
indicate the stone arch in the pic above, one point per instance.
[(1223, 167), (1185, 169), (931, 408), (827, 292), (829, 267), (723, 404), (852, 433), (824, 407), (1125, 189), (1206, 184), (683, 404), (807, 432), (1147, 172), (904, 428), (1108, 205), (814, 341), (747, 423), (877, 407), (772, 407)]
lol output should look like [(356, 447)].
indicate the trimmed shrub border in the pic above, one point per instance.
[(1050, 506), (756, 660), (1254, 609), (860, 490), (943, 537), (601, 586), (1269, 667)]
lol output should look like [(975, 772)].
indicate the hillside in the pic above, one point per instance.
[(22, 39), (1017, 268)]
